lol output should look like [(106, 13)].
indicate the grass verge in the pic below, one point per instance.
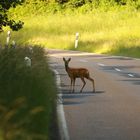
[(27, 95), (112, 32)]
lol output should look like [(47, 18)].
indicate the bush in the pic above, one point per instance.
[(28, 95), (43, 7), (4, 19)]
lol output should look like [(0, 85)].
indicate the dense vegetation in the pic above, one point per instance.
[(110, 27), (4, 19), (27, 95), (38, 7)]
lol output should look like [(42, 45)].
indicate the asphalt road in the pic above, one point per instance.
[(113, 111)]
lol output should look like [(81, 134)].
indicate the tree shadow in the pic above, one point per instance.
[(126, 74), (112, 69), (108, 68), (133, 81), (84, 93), (75, 98), (73, 102), (119, 58)]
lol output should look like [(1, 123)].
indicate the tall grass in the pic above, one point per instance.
[(27, 95), (101, 32), (110, 32)]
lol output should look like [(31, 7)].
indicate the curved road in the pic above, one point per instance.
[(113, 111)]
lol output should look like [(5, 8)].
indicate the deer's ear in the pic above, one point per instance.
[(69, 59), (64, 59)]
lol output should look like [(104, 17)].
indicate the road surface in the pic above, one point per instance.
[(113, 111)]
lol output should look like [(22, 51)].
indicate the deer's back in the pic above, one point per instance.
[(78, 72)]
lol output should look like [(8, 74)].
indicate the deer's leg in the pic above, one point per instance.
[(89, 78), (84, 83), (73, 84)]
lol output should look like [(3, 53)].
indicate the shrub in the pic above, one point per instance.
[(28, 94)]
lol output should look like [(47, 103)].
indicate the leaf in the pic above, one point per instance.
[(37, 110)]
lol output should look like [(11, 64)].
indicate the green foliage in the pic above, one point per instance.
[(4, 19), (28, 94), (98, 3), (45, 7), (36, 8), (77, 3), (6, 4), (99, 31), (61, 1)]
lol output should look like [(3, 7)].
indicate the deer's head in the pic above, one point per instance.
[(66, 61)]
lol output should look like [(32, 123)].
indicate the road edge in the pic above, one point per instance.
[(63, 130)]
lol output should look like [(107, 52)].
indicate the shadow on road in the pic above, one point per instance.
[(77, 98), (133, 81)]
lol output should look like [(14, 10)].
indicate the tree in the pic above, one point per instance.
[(5, 5)]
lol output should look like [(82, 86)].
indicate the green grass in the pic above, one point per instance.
[(101, 32), (27, 95)]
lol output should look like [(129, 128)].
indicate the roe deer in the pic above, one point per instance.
[(77, 73)]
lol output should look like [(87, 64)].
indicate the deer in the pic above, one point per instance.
[(74, 73)]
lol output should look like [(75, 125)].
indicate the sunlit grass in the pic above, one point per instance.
[(101, 32)]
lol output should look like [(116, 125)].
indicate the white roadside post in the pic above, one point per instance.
[(76, 40), (13, 44), (8, 38), (31, 49), (28, 61)]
